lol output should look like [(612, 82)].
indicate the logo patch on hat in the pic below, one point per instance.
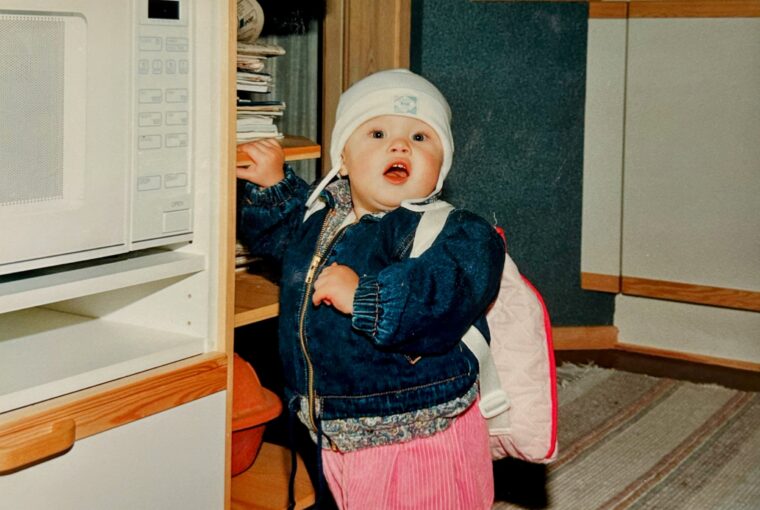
[(405, 104)]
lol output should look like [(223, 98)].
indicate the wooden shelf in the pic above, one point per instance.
[(36, 363), (264, 486), (296, 148), (45, 286), (299, 147), (256, 298)]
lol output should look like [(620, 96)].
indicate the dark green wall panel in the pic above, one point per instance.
[(514, 74)]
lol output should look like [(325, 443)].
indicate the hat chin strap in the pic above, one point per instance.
[(413, 204), (322, 185)]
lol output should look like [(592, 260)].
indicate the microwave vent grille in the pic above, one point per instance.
[(32, 66)]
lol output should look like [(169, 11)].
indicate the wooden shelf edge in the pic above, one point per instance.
[(119, 402), (295, 147), (256, 298), (300, 147)]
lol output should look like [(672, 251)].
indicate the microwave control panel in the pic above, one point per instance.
[(162, 198)]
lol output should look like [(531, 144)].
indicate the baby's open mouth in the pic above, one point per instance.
[(396, 173)]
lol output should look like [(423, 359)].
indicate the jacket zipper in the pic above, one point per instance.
[(316, 263)]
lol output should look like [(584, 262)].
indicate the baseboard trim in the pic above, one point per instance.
[(567, 338), (600, 282), (688, 356), (584, 337)]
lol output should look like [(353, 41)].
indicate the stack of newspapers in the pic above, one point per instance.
[(257, 113)]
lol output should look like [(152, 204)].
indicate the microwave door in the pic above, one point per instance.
[(63, 145)]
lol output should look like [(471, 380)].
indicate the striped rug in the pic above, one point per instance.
[(633, 441)]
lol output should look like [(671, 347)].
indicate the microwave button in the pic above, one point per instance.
[(158, 66), (150, 119), (176, 44), (178, 180), (175, 221), (176, 118), (143, 67), (176, 95), (176, 140), (150, 96), (171, 66), (150, 43), (149, 142), (148, 183), (183, 66)]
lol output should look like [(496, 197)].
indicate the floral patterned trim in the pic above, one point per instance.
[(356, 433)]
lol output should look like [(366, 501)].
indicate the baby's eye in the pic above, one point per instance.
[(419, 137), (376, 133)]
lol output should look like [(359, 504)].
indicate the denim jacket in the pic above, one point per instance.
[(400, 351)]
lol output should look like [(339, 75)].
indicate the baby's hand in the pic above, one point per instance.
[(336, 286), (267, 167)]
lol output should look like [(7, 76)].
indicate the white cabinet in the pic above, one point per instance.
[(691, 189), (171, 460), (671, 194), (113, 372)]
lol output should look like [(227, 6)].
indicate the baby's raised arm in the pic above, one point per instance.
[(267, 159)]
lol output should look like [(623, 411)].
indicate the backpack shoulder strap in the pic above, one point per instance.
[(493, 400), (431, 224)]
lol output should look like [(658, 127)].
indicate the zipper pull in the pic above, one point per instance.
[(315, 261)]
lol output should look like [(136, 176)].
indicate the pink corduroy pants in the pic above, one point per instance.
[(451, 470)]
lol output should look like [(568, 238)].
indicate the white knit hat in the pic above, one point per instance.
[(391, 92)]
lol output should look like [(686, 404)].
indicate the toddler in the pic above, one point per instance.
[(369, 337)]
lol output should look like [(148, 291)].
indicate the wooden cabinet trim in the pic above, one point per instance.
[(584, 337), (694, 9), (120, 402), (600, 282), (608, 10), (674, 9), (690, 293)]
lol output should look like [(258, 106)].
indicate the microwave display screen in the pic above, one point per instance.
[(163, 9)]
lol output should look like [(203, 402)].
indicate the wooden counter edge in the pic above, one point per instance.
[(119, 402)]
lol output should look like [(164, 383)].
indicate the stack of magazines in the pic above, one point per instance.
[(257, 113)]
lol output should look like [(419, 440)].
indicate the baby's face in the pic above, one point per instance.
[(389, 159)]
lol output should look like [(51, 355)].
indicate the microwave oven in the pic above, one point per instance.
[(96, 128)]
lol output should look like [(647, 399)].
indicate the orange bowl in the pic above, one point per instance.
[(252, 406)]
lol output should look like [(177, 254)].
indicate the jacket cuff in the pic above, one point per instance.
[(366, 305), (273, 195)]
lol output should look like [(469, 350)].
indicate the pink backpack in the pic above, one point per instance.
[(518, 386)]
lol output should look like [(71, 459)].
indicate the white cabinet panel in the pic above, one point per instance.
[(171, 460), (603, 147), (692, 152), (682, 327)]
